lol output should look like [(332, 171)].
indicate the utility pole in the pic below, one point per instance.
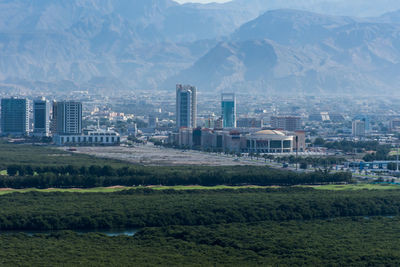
[(397, 158), (297, 151)]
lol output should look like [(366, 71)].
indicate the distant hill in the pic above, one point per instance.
[(354, 8), (298, 51), (122, 43), (108, 45)]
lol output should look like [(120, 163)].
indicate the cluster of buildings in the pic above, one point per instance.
[(228, 134), (259, 124), (61, 120)]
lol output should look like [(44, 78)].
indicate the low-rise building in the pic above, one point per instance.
[(240, 141), (88, 138)]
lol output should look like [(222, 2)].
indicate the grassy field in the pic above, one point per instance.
[(120, 188), (198, 187), (49, 156)]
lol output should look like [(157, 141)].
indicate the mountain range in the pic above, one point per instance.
[(243, 45)]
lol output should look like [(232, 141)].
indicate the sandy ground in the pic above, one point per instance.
[(151, 155)]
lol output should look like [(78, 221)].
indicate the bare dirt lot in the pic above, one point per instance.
[(151, 155)]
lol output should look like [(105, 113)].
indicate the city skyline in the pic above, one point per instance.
[(199, 133)]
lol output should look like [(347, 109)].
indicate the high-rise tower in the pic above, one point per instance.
[(15, 116), (41, 117), (186, 106), (228, 106), (68, 117)]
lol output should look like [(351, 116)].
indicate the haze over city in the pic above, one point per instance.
[(199, 133)]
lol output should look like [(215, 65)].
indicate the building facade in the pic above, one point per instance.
[(96, 137), (228, 110), (286, 123), (68, 116), (358, 128), (249, 123), (395, 124), (186, 106), (364, 118), (41, 117), (15, 116), (268, 141), (322, 116)]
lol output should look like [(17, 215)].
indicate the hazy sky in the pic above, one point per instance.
[(202, 1)]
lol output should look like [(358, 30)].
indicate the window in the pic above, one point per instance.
[(275, 144), (287, 144)]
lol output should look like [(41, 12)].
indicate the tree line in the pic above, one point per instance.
[(26, 176)]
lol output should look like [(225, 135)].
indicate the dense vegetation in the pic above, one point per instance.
[(20, 176), (324, 162), (338, 242), (146, 207), (379, 151)]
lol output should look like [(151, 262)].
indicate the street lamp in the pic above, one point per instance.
[(297, 151)]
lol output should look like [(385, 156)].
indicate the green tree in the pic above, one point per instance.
[(319, 141)]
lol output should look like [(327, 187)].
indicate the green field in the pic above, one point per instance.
[(27, 154), (121, 188), (198, 187)]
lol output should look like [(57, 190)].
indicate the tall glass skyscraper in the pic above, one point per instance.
[(228, 106), (41, 117), (15, 116), (186, 106)]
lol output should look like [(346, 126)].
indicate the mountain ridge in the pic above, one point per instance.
[(153, 44), (314, 54)]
